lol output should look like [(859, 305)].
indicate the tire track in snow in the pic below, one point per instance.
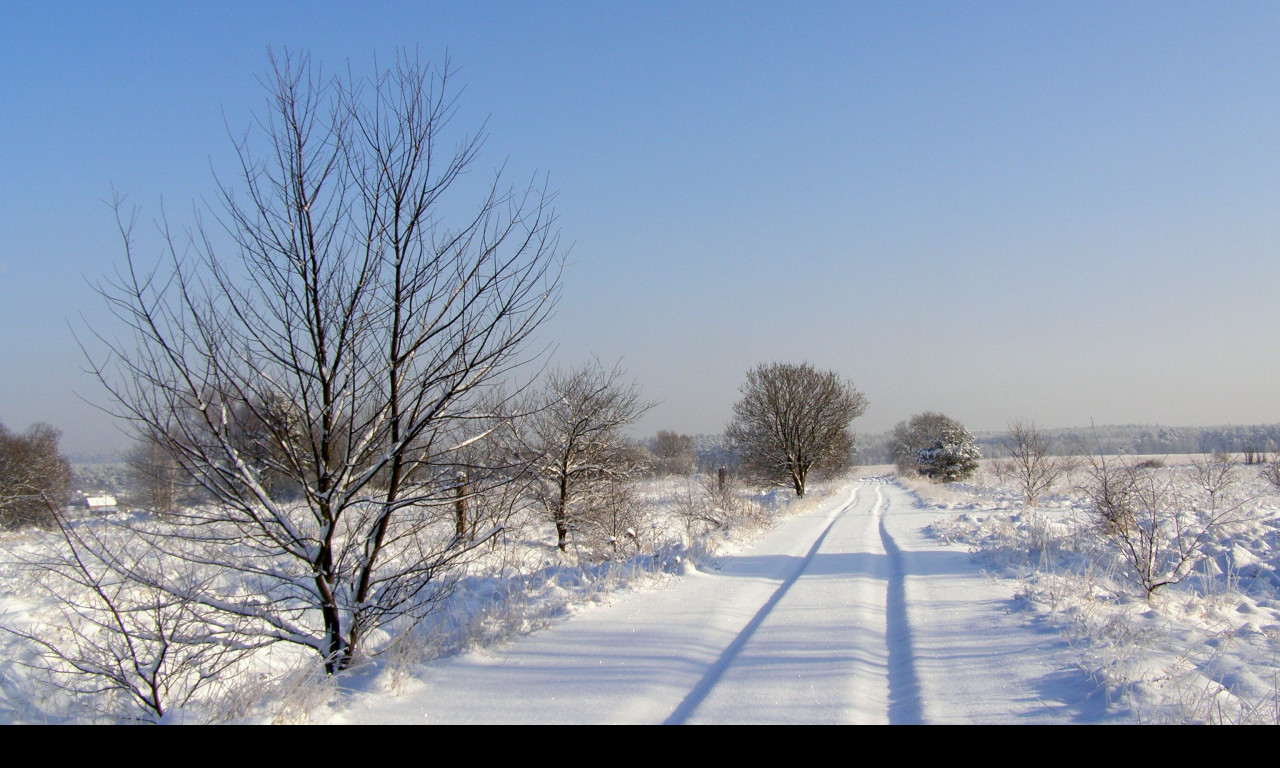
[(703, 688), (905, 706)]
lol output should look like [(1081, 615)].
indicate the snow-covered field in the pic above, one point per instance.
[(1206, 650), (871, 600)]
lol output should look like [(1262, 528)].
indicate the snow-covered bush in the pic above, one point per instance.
[(613, 520), (1271, 473), (952, 456), (935, 446), (112, 644)]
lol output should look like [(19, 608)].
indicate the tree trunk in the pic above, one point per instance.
[(460, 508), (562, 513), (562, 533), (797, 480)]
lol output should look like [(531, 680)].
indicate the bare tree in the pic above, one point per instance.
[(155, 478), (576, 432), (793, 419), (34, 477), (342, 342), (674, 453), (1029, 464)]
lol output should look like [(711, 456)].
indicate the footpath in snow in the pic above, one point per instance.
[(844, 614)]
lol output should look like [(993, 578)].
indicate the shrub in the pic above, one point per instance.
[(952, 456), (1160, 528)]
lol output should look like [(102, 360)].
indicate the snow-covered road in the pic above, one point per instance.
[(844, 614)]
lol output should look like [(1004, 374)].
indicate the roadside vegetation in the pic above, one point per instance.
[(1165, 570), (1162, 569), (72, 658)]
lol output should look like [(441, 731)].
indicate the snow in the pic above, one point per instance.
[(873, 600), (1203, 651), (844, 613)]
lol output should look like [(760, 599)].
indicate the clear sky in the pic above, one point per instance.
[(1066, 212)]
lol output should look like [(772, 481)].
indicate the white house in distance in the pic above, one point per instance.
[(100, 503)]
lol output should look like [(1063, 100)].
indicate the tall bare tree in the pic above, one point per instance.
[(155, 478), (576, 432), (340, 335), (793, 419)]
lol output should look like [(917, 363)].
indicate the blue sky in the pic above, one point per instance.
[(1054, 211)]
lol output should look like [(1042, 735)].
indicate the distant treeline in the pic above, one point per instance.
[(713, 451), (1251, 439)]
